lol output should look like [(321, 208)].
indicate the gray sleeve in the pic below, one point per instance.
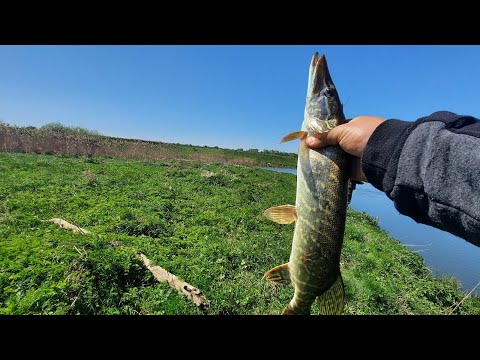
[(438, 180), (431, 170)]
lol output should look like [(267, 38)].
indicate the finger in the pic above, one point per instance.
[(355, 171), (324, 139), (334, 136), (313, 142)]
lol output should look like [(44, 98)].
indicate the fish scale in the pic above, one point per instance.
[(320, 205)]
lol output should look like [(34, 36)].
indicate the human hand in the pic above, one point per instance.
[(352, 138)]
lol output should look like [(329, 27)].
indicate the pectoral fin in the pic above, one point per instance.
[(332, 301), (279, 275), (284, 214), (294, 136)]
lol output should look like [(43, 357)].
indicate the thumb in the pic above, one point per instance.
[(328, 138)]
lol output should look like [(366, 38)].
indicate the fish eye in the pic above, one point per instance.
[(328, 92)]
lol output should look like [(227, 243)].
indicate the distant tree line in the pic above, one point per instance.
[(57, 138), (74, 130), (57, 127), (265, 151)]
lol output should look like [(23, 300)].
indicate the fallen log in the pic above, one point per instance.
[(66, 225), (162, 275)]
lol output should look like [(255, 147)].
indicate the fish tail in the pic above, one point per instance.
[(299, 305), (289, 311), (332, 301)]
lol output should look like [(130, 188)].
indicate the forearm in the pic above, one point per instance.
[(430, 169)]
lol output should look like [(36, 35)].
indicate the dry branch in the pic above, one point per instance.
[(162, 275), (66, 225), (464, 298)]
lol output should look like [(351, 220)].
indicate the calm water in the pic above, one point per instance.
[(444, 253)]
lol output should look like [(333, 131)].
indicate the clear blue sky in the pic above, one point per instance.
[(226, 96)]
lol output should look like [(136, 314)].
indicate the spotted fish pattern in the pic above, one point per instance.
[(320, 207)]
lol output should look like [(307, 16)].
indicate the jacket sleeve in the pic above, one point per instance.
[(430, 169)]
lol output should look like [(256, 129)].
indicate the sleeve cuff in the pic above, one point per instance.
[(383, 150)]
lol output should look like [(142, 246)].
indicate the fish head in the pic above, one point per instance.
[(323, 110)]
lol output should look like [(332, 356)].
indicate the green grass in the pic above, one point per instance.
[(200, 221)]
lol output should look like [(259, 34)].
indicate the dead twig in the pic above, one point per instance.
[(66, 225), (465, 297), (195, 295), (162, 275)]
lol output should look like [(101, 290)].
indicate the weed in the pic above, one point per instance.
[(90, 177), (202, 222)]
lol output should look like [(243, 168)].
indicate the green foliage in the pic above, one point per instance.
[(200, 221), (73, 130)]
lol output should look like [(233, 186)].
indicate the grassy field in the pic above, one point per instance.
[(57, 139), (200, 221)]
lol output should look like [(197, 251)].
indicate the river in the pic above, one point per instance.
[(444, 253)]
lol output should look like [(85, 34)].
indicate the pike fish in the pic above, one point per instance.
[(320, 205)]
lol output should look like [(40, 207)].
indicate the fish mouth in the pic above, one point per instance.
[(319, 74), (323, 103)]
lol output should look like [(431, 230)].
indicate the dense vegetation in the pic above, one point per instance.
[(200, 221), (58, 139)]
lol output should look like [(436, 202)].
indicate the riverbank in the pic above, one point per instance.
[(443, 253), (200, 221)]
